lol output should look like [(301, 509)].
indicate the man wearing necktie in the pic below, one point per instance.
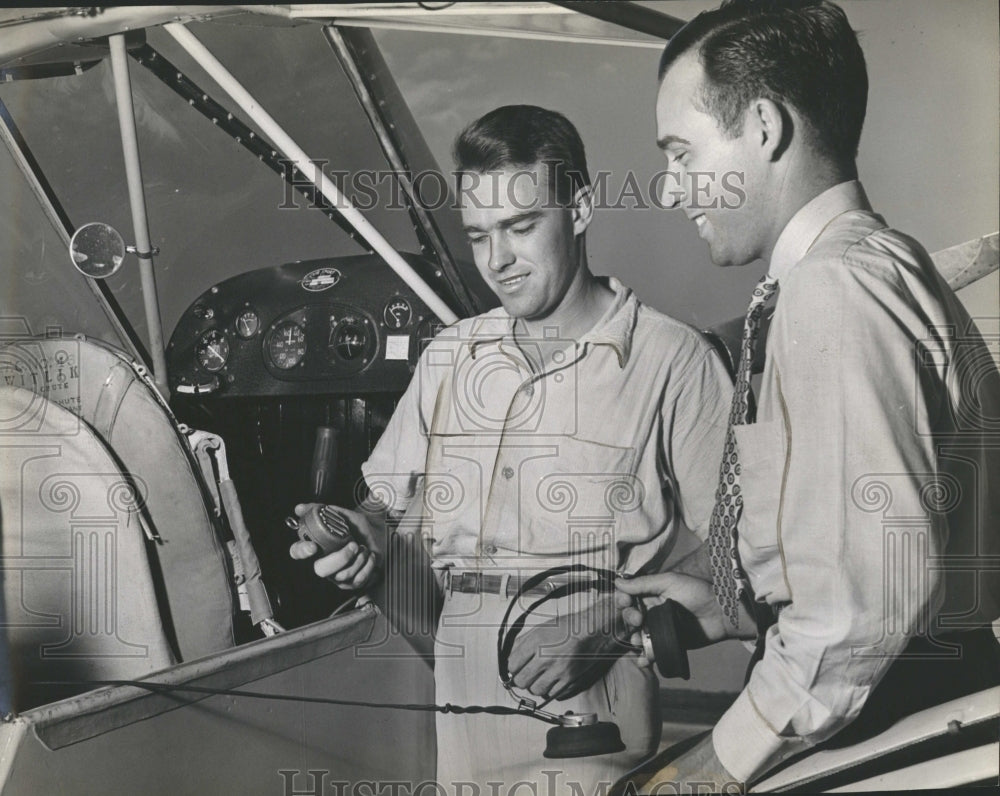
[(854, 520)]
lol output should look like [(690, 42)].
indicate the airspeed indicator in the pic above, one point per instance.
[(286, 345)]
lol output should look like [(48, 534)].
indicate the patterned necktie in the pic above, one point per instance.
[(728, 579)]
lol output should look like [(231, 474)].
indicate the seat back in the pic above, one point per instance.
[(79, 596), (116, 400)]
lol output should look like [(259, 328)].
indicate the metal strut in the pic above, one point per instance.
[(137, 205), (288, 146), (388, 115)]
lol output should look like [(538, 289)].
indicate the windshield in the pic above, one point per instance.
[(41, 293), (214, 211)]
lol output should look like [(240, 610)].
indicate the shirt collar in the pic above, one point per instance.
[(614, 329), (801, 232)]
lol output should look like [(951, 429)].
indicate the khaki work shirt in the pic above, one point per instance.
[(599, 458)]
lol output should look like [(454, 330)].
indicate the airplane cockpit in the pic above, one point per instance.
[(310, 358), (228, 235)]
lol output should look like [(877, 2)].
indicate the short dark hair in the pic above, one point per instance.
[(520, 136), (801, 53)]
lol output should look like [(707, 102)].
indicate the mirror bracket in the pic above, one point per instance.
[(143, 255)]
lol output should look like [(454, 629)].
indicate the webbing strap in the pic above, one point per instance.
[(113, 391)]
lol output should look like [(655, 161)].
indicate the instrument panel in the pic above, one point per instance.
[(346, 325)]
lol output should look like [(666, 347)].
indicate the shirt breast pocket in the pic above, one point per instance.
[(761, 449), (578, 499)]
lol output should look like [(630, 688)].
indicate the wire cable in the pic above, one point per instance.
[(167, 688)]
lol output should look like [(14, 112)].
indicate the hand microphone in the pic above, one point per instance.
[(324, 526)]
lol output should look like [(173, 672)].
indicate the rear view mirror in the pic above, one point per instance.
[(97, 250)]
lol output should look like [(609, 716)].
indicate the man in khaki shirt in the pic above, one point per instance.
[(570, 425)]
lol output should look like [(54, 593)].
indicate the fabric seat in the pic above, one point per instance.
[(118, 412), (79, 596)]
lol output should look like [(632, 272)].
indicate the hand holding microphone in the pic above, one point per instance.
[(344, 540)]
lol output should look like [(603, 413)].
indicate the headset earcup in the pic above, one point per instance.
[(668, 649), (592, 739)]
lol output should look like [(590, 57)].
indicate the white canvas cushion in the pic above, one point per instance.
[(101, 385), (79, 598)]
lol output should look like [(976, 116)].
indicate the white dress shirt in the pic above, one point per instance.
[(867, 509)]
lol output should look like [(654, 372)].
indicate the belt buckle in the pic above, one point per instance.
[(465, 583)]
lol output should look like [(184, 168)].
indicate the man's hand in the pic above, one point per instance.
[(356, 565), (696, 771), (559, 660), (708, 624)]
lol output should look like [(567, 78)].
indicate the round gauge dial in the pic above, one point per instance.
[(350, 339), (212, 350), (286, 345), (247, 324), (397, 313)]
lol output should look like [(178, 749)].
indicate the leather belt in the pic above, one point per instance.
[(477, 582)]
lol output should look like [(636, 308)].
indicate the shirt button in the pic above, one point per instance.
[(507, 472)]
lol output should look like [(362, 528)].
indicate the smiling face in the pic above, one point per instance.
[(715, 178), (525, 245)]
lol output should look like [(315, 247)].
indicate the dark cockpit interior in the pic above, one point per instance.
[(298, 367), (295, 363)]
